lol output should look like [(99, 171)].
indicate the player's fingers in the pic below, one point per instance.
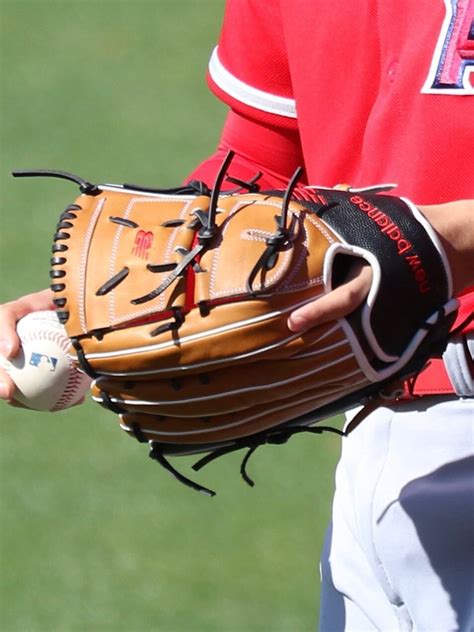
[(337, 304), (10, 314), (7, 387)]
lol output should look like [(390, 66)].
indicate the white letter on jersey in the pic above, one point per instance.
[(452, 67)]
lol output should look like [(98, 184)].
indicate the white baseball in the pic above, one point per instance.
[(45, 375)]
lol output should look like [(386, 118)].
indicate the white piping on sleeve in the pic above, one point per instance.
[(243, 92)]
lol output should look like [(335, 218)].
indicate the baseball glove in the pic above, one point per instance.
[(176, 303)]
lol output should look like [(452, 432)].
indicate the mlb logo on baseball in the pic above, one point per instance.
[(43, 360), (45, 375)]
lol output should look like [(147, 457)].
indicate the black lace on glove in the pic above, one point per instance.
[(279, 239), (277, 437)]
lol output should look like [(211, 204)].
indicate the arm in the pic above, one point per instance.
[(454, 223), (259, 147)]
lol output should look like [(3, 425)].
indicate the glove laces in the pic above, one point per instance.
[(277, 437)]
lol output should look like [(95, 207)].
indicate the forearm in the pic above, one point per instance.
[(454, 223), (259, 148)]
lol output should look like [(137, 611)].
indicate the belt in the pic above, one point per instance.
[(451, 374)]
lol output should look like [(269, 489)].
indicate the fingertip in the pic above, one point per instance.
[(7, 388), (7, 348), (297, 324), (9, 341)]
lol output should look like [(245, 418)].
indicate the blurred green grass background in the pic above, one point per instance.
[(94, 535)]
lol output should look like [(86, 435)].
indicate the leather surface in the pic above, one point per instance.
[(183, 320)]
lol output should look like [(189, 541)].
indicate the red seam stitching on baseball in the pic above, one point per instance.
[(58, 337), (72, 387)]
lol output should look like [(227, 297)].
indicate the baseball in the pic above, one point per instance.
[(45, 375)]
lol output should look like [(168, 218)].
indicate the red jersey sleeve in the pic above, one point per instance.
[(259, 148), (248, 69)]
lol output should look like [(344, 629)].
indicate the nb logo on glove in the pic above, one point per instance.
[(143, 243)]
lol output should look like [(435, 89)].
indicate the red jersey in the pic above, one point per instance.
[(363, 92), (377, 90)]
